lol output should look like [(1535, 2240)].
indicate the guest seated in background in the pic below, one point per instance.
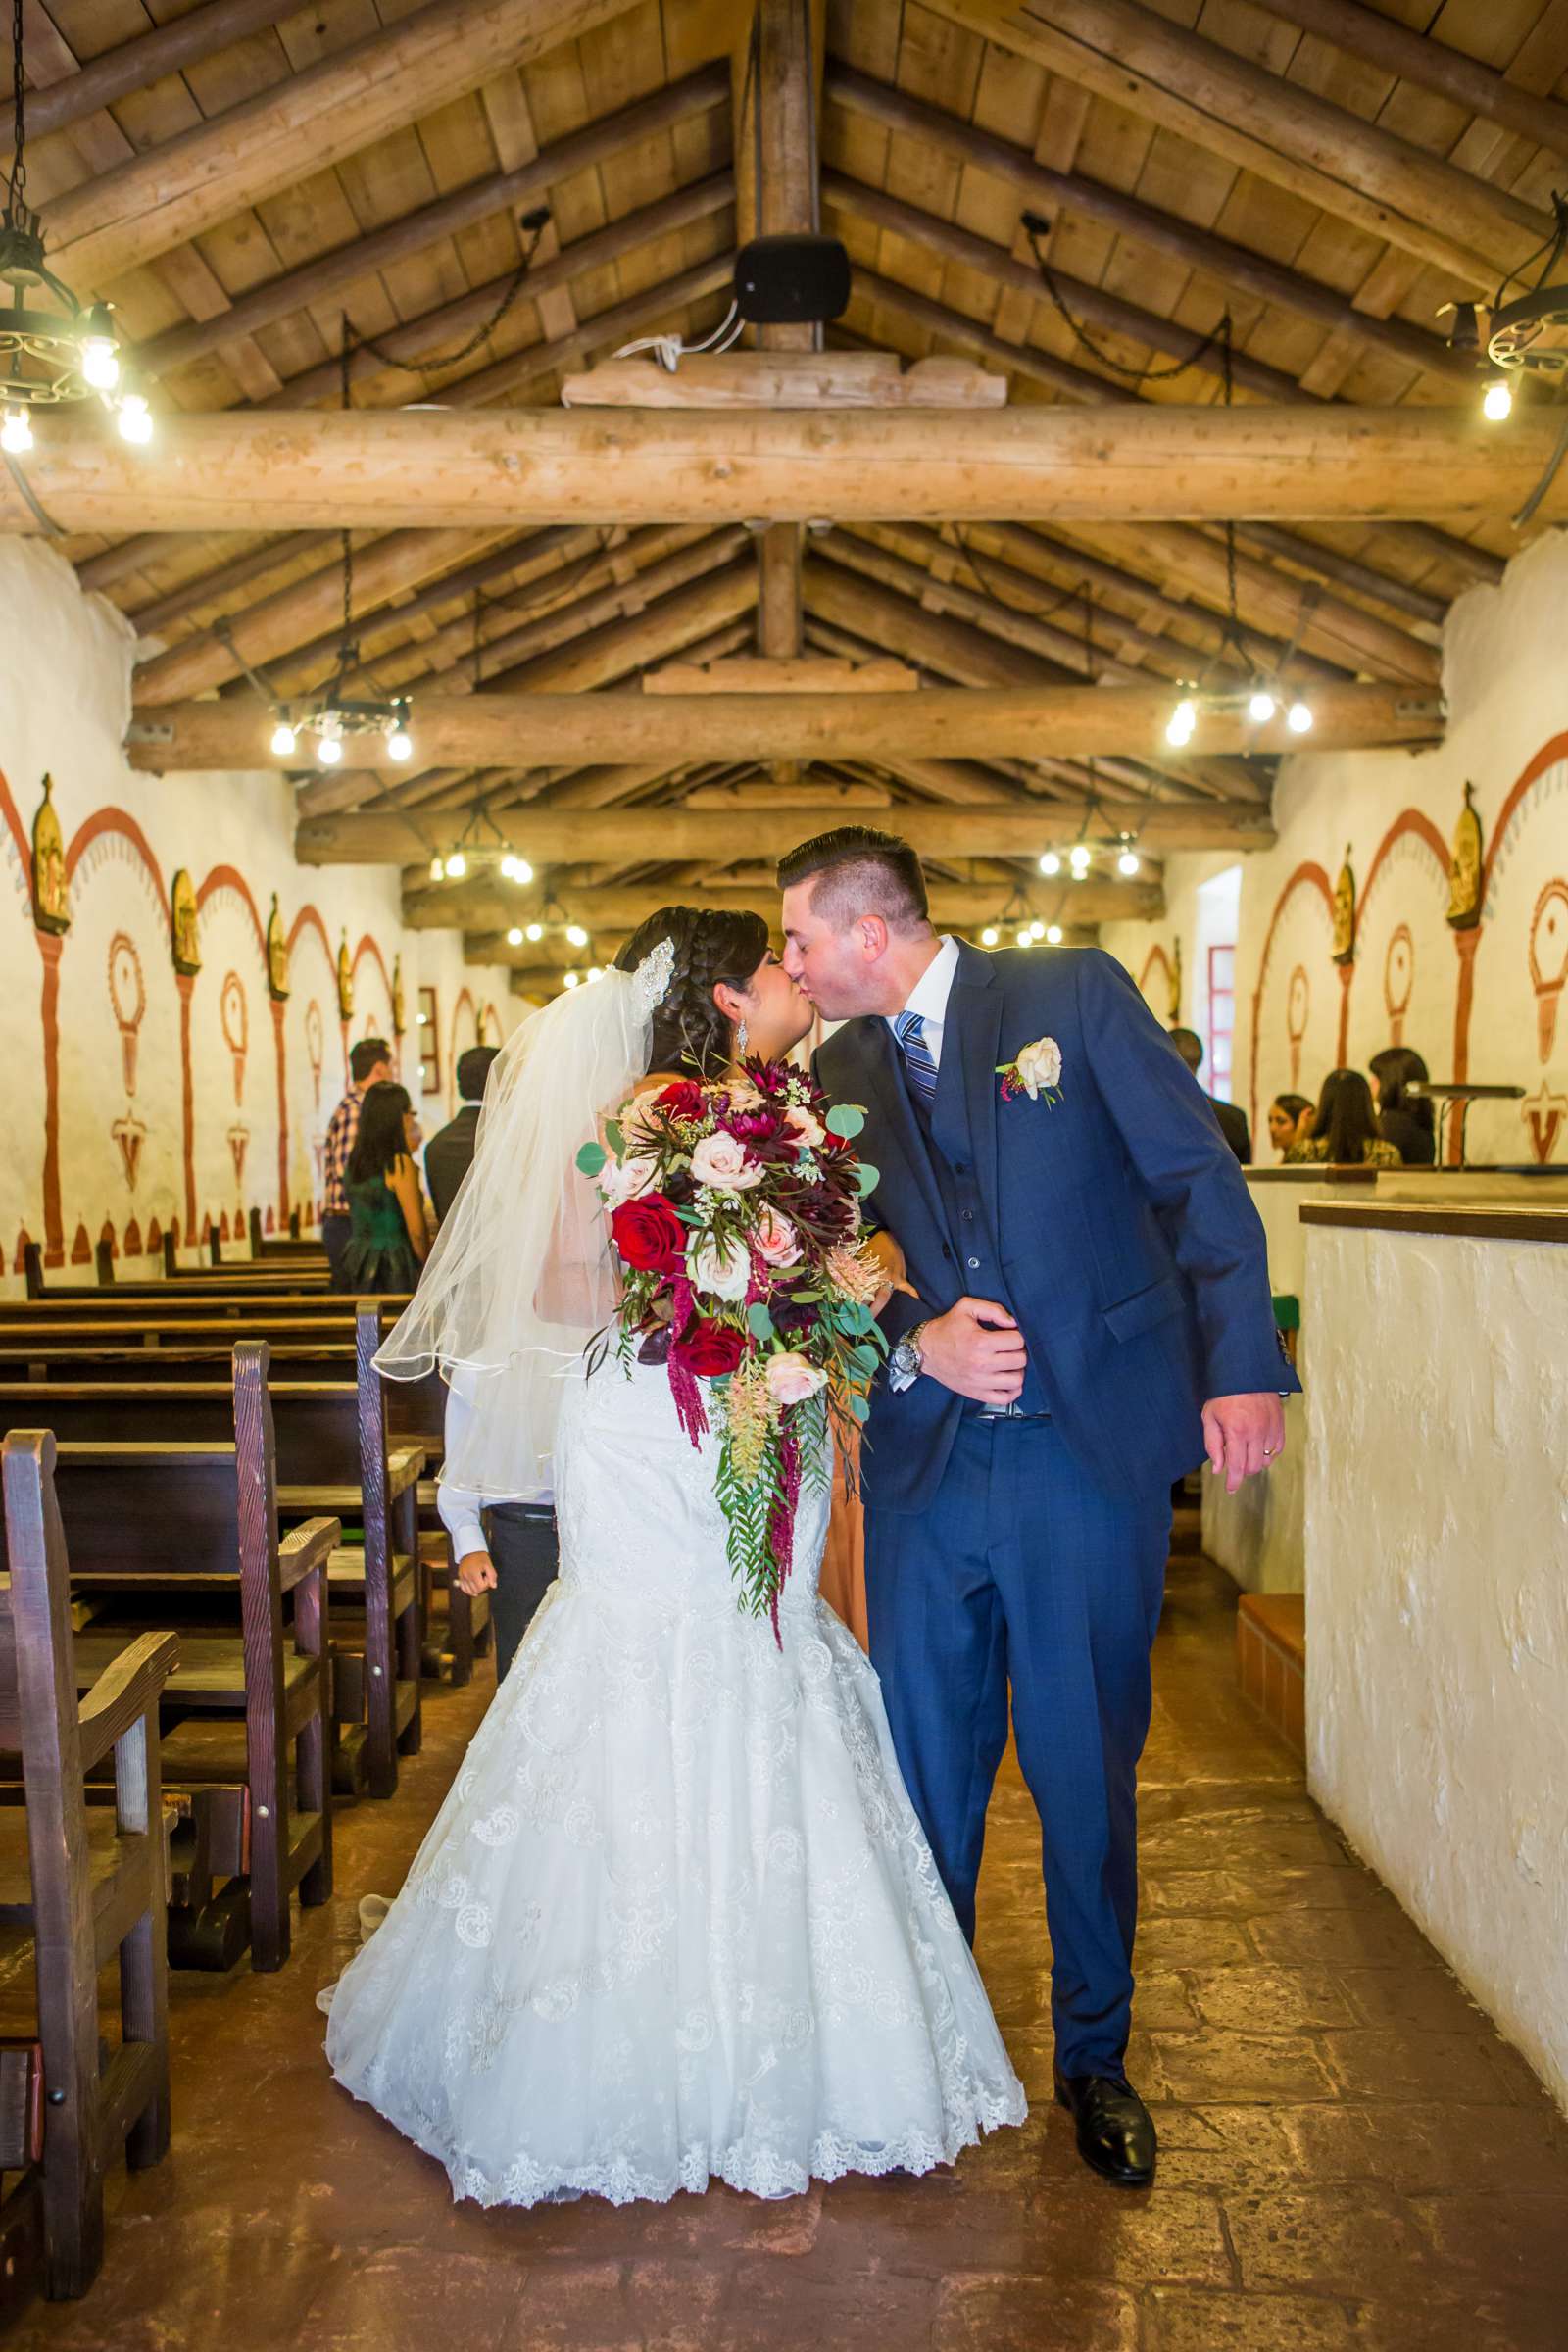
[(1290, 1121), (1404, 1119), (390, 1237), (1344, 1127), (449, 1154), (1232, 1124)]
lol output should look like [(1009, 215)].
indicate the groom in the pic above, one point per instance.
[(1093, 1317)]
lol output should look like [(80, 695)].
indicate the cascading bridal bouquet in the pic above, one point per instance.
[(735, 1209)]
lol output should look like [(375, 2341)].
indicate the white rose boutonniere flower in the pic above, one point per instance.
[(1035, 1070)]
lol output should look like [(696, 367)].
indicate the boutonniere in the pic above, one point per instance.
[(1036, 1071)]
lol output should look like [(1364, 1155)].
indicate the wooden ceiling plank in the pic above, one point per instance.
[(1221, 102), (321, 116)]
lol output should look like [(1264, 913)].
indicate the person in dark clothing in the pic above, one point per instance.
[(388, 1239), (370, 1063), (449, 1155), (1232, 1124), (1344, 1128), (1405, 1120)]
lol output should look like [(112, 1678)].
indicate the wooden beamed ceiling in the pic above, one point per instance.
[(242, 177)]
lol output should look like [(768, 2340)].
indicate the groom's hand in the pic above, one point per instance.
[(1242, 1435), (977, 1350)]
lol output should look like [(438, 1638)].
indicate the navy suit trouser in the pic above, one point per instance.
[(1022, 1572)]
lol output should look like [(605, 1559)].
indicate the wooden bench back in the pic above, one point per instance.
[(122, 1360), (164, 1306), (316, 1422)]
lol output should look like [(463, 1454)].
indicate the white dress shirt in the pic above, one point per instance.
[(459, 1508), (929, 999)]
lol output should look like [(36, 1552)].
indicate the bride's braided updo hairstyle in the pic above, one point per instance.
[(690, 1033)]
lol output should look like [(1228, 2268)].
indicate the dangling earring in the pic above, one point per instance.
[(742, 1039)]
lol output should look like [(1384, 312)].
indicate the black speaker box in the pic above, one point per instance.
[(780, 281)]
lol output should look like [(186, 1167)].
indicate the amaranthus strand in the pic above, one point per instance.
[(683, 1388)]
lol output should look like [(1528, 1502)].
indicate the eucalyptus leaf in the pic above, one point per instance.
[(869, 1178), (859, 1408), (615, 1137), (846, 1119), (591, 1158), (760, 1322)]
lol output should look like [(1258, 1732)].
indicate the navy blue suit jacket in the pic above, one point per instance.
[(1129, 1249)]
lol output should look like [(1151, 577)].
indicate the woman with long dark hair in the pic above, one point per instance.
[(677, 1919), (1290, 1122), (1345, 1131), (1404, 1119), (389, 1237)]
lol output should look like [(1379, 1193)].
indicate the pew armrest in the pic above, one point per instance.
[(405, 1467), (305, 1548), (125, 1693)]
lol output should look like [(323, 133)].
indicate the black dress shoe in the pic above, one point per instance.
[(1116, 2130)]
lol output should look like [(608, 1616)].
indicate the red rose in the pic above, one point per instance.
[(649, 1234), (683, 1100), (712, 1349)]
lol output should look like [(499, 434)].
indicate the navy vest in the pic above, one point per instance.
[(944, 1130)]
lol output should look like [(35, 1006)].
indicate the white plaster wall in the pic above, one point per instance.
[(1436, 1598), (65, 696)]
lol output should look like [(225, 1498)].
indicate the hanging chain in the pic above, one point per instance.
[(478, 643), (533, 227), (1096, 350), (15, 207), (347, 649)]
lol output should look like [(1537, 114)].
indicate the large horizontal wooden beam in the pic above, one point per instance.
[(135, 65), (621, 906), (553, 730), (306, 122), (486, 470), (1321, 153)]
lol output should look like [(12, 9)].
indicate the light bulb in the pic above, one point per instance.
[(572, 979), (16, 433), (1498, 401), (1183, 721), (1050, 863), (989, 936), (1053, 935), (135, 418), (522, 870), (1260, 705), (595, 971), (1299, 718), (400, 744), (506, 867), (438, 873), (457, 866), (100, 364), (1037, 929), (577, 936), (1127, 863), (515, 937), (285, 739), (535, 932), (1026, 938), (329, 751), (1078, 860)]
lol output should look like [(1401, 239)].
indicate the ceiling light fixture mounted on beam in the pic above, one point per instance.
[(53, 352), (1527, 338)]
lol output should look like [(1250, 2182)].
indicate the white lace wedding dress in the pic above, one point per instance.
[(677, 1920)]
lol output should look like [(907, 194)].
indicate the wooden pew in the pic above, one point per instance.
[(271, 1279), (294, 1244), (123, 1360), (159, 1528), (83, 1885), (333, 1457), (162, 1305)]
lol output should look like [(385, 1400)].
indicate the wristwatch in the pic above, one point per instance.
[(908, 1360)]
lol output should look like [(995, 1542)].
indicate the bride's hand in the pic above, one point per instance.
[(476, 1573)]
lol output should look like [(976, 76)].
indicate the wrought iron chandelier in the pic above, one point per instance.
[(53, 350), (1527, 338)]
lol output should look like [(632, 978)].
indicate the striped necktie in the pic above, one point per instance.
[(920, 1069)]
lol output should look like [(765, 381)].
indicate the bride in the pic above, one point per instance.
[(677, 1920)]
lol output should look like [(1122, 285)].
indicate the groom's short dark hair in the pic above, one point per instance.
[(859, 871)]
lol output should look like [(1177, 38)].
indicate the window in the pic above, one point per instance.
[(430, 1043), (1221, 1019)]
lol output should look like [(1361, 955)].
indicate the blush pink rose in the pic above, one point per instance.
[(775, 1240), (720, 1162), (791, 1377), (625, 1179), (806, 1125)]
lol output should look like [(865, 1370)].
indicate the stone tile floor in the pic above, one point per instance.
[(1350, 2156)]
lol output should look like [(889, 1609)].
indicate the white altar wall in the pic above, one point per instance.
[(101, 1136)]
